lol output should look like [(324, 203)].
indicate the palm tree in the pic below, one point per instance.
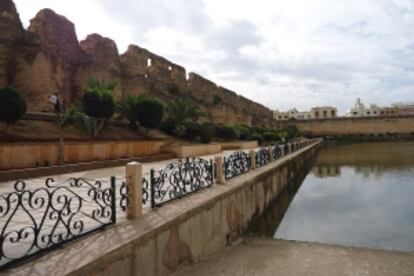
[(182, 111)]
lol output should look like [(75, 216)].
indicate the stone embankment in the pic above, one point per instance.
[(185, 231)]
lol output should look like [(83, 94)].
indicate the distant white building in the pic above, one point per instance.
[(326, 112), (291, 114), (361, 110)]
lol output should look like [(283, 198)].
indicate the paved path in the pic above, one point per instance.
[(258, 256)]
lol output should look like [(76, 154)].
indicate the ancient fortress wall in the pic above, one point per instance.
[(358, 126), (47, 58)]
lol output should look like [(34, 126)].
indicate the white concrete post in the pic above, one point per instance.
[(270, 154), (282, 150), (134, 185), (219, 169), (253, 159)]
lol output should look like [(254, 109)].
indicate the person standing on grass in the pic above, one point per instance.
[(54, 99)]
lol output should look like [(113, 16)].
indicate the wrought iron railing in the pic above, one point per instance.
[(123, 193), (180, 178), (285, 149), (36, 220), (262, 157), (277, 152), (236, 164)]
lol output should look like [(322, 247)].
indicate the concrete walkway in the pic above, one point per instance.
[(259, 256)]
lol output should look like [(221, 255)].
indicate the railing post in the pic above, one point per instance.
[(270, 154), (253, 159), (219, 169), (134, 187), (113, 199)]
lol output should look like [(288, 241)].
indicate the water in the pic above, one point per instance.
[(356, 194)]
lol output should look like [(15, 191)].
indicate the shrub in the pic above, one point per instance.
[(292, 130), (283, 135), (127, 109), (179, 131), (98, 102), (226, 132), (149, 112), (192, 131), (243, 131), (206, 134), (168, 126), (74, 116), (269, 136), (183, 111), (256, 137), (12, 106)]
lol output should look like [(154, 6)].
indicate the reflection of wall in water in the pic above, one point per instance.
[(326, 171)]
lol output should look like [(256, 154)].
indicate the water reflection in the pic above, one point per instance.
[(359, 195)]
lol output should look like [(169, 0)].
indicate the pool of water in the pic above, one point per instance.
[(355, 194)]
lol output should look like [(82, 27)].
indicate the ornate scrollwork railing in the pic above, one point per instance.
[(285, 149), (180, 178), (262, 157), (236, 164), (277, 152), (123, 193), (36, 220)]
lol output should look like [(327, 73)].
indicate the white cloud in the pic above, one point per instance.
[(281, 53)]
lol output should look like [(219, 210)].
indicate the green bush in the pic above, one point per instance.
[(179, 131), (206, 133), (256, 137), (283, 135), (149, 112), (12, 106), (98, 102), (168, 126), (192, 131), (127, 109), (243, 132), (269, 136), (226, 132), (292, 130), (182, 111)]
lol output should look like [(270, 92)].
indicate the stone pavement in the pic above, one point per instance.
[(260, 256)]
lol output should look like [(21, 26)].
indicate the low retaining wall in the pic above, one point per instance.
[(196, 150), (29, 155), (182, 232), (239, 145)]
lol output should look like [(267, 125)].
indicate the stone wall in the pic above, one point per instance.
[(357, 126), (30, 155), (47, 58), (183, 232)]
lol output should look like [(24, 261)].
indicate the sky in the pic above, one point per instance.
[(282, 54)]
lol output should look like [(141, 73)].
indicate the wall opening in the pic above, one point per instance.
[(149, 62)]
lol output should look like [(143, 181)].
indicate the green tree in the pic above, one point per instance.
[(75, 116), (12, 106), (98, 103), (127, 109), (182, 111), (292, 130), (149, 112)]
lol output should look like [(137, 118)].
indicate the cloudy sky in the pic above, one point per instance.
[(283, 54)]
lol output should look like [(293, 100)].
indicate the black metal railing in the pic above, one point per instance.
[(180, 178), (262, 157), (277, 152), (37, 220), (123, 193), (236, 164)]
